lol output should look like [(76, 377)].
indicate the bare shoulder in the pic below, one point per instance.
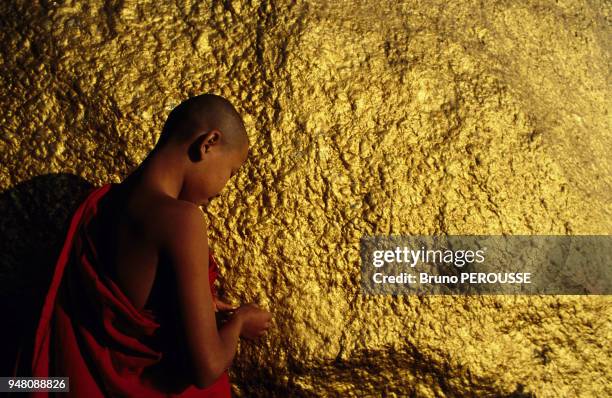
[(177, 221)]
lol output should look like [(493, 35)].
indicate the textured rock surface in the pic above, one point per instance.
[(364, 117)]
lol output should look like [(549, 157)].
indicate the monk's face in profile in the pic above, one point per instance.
[(212, 163)]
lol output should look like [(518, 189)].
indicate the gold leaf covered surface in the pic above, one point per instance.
[(364, 117)]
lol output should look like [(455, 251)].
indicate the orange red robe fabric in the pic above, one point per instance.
[(90, 332)]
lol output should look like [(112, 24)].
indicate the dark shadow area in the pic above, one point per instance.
[(34, 219)]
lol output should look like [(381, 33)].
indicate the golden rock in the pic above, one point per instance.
[(387, 117)]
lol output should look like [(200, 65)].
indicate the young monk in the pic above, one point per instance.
[(131, 308)]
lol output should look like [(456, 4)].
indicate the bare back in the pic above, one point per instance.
[(131, 224)]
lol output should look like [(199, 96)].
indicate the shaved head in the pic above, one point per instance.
[(201, 114)]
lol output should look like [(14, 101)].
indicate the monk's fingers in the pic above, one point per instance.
[(224, 306)]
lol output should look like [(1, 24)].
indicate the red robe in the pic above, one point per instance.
[(90, 332)]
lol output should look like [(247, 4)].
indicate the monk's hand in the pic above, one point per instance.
[(255, 321), (221, 305)]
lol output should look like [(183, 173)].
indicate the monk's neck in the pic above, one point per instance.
[(161, 172)]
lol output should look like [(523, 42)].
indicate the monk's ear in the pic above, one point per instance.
[(202, 144)]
